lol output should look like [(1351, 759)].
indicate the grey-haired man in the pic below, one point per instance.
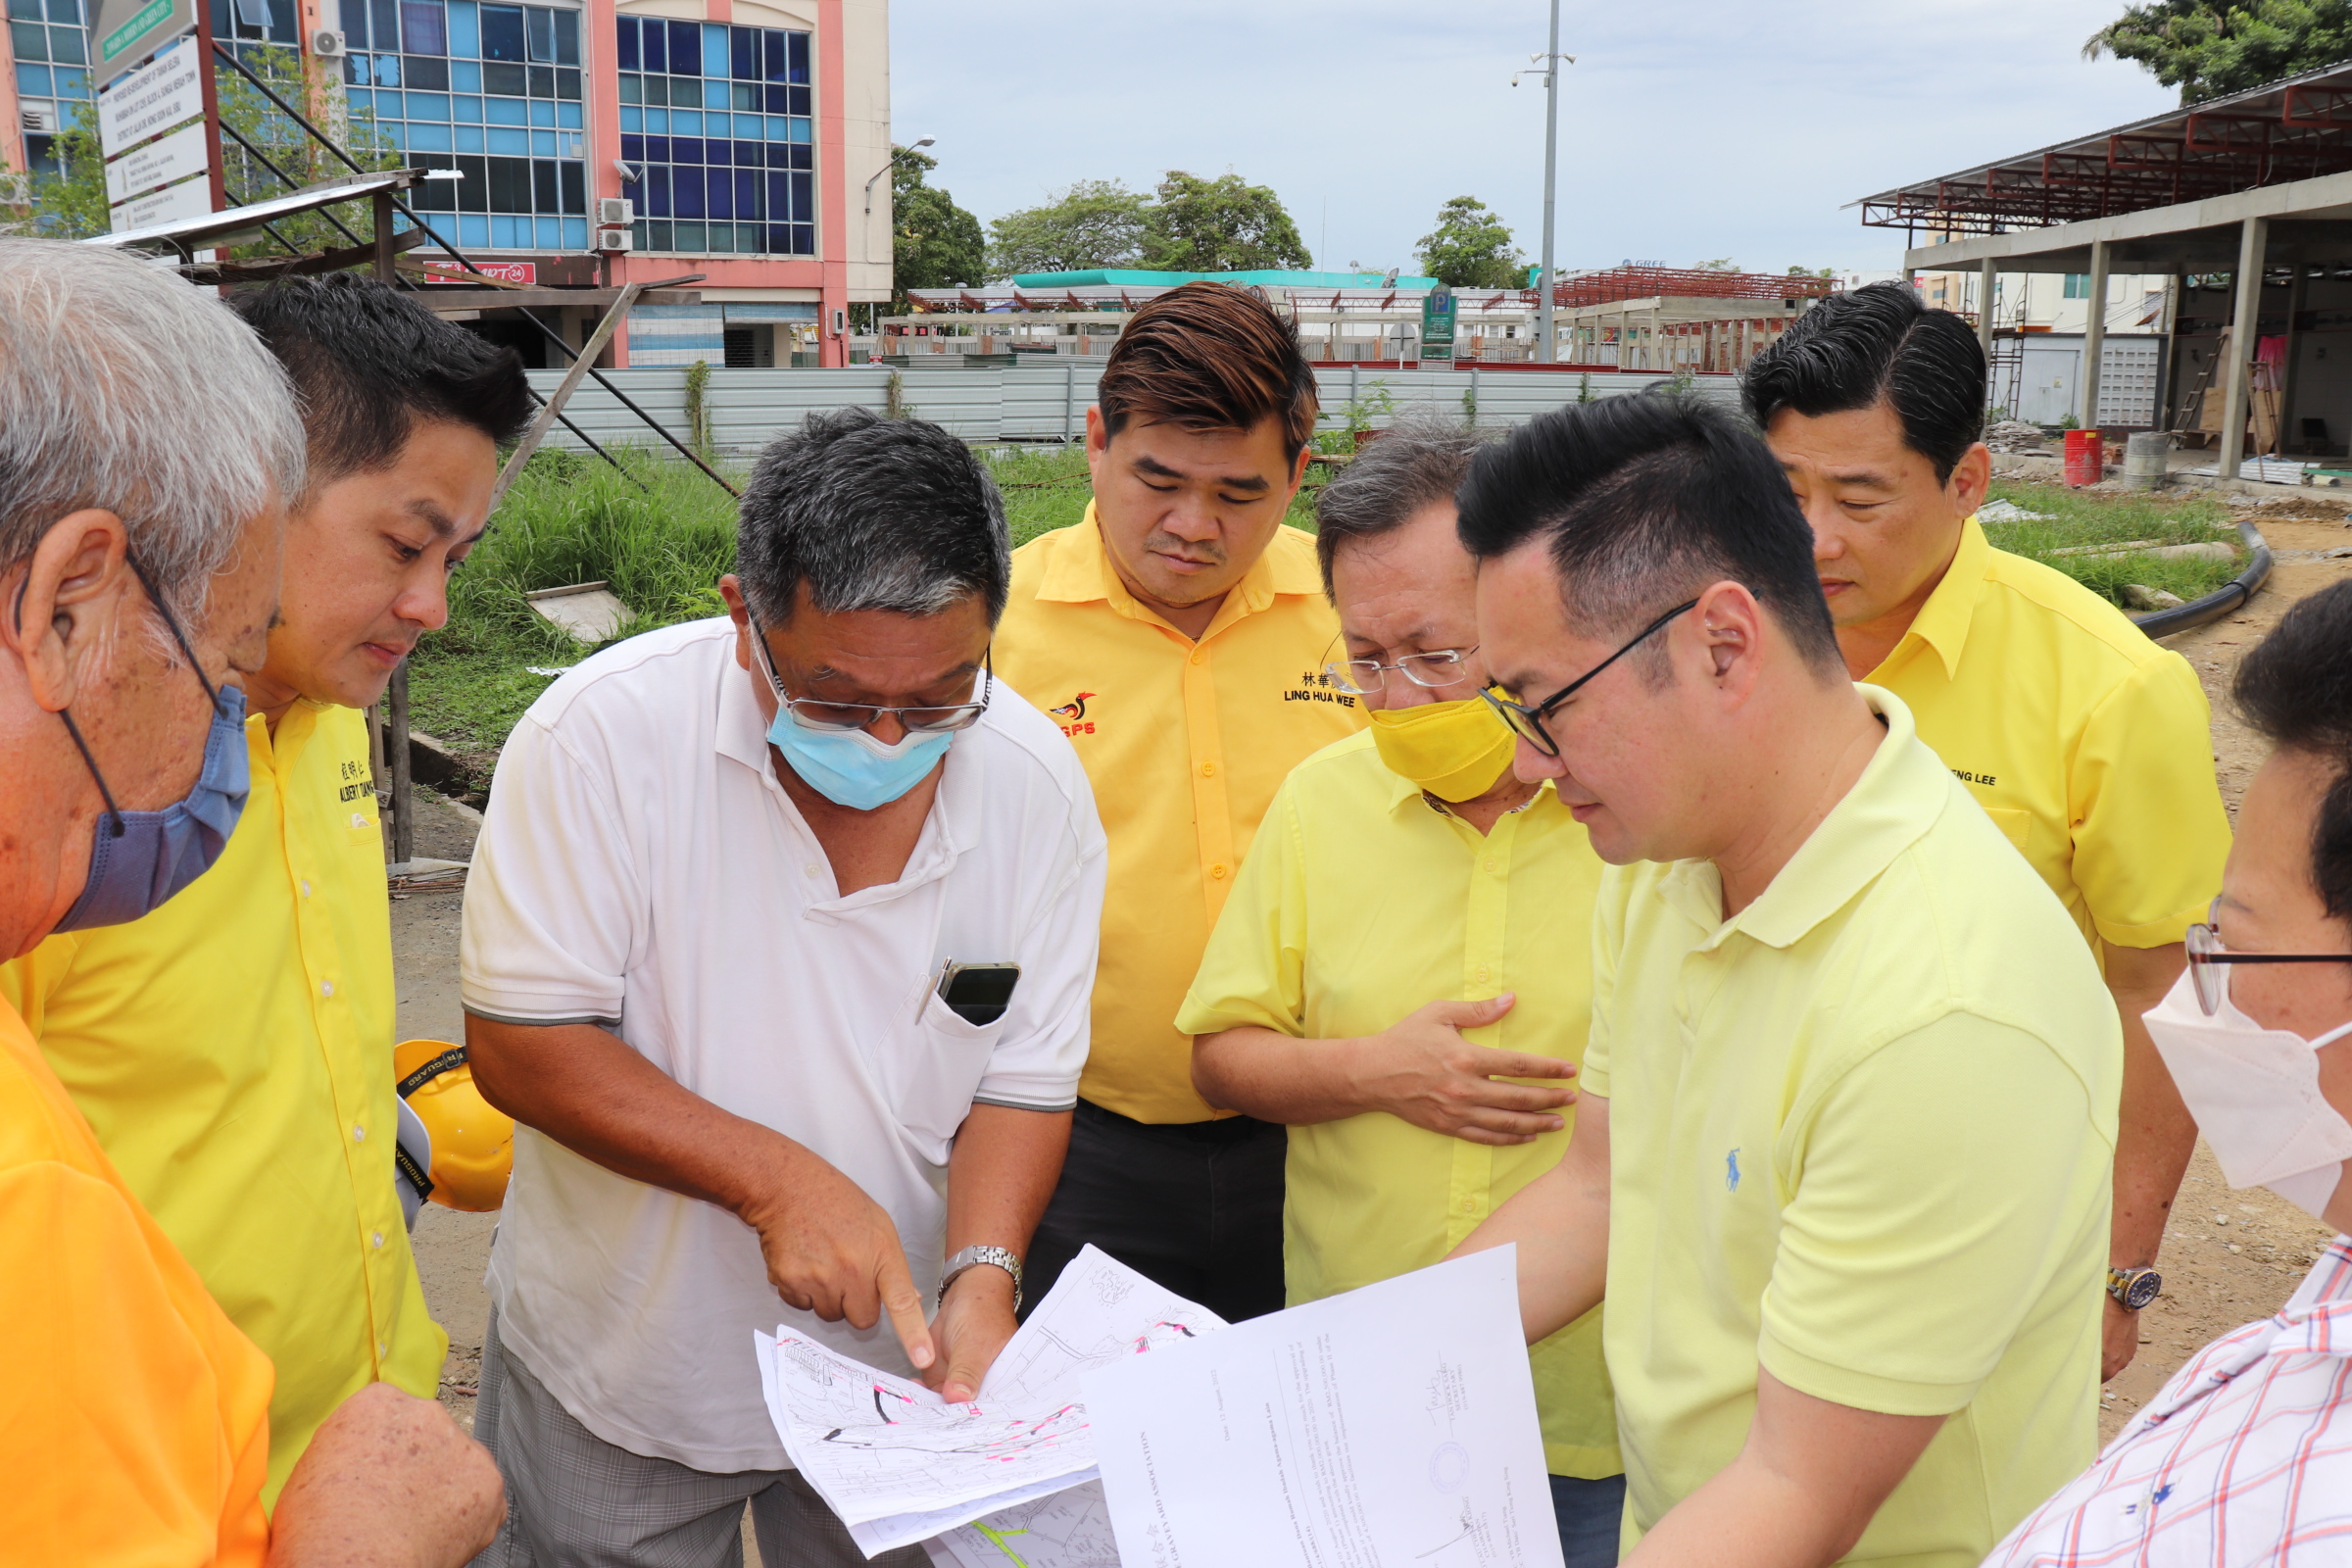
[(709, 945)]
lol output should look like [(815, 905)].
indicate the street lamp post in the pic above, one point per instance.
[(1551, 59), (886, 168)]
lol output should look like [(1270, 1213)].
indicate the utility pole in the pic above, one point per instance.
[(1546, 344)]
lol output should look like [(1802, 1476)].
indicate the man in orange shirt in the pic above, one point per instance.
[(148, 444), (1179, 634)]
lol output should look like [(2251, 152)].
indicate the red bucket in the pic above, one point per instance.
[(2085, 457)]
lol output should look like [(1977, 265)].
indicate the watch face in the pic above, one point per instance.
[(2142, 1289)]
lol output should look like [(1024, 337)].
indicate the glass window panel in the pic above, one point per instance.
[(388, 105), (543, 143), (686, 193), (23, 10), (798, 101), (632, 118), (355, 24), (474, 231), (543, 114), (747, 193), (517, 143), (688, 236), (361, 100), (31, 79), (656, 191), (575, 234), (466, 107), (715, 94), (507, 111), (502, 32), (504, 234), (743, 95), (771, 54), (543, 81), (567, 116), (384, 22), (285, 26), (576, 186), (632, 148), (464, 30), (356, 72), (470, 139), (685, 149), (804, 239), (396, 134), (743, 53), (422, 31), (466, 75), (632, 89), (624, 49), (387, 74), (427, 72), (64, 46), (721, 198), (718, 151), (750, 155), (803, 197), (656, 45), (545, 186), (510, 185), (435, 195), (714, 50), (686, 119), (30, 39), (539, 29), (779, 197), (796, 50), (511, 80), (428, 106), (568, 84), (431, 138), (67, 12), (567, 38), (653, 237), (686, 48), (800, 132), (72, 84), (656, 120), (773, 100)]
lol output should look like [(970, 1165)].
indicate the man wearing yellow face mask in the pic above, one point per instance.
[(1417, 1046)]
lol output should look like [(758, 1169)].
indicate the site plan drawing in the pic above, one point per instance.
[(899, 1464), (1069, 1530)]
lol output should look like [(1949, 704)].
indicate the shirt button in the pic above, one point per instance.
[(1208, 770), (1489, 862), (1216, 874), (1469, 1205), (808, 870), (326, 988), (358, 1134), (1482, 972), (306, 886), (377, 1238), (1197, 655), (381, 1348)]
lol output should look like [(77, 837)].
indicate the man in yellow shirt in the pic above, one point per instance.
[(1847, 1113), (233, 1050), (146, 445), (1379, 1027), (1176, 634), (2084, 742)]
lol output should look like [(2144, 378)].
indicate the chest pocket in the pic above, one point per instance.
[(931, 1067), (2016, 826)]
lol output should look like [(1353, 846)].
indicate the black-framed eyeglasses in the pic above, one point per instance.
[(931, 721), (1527, 722), (2207, 956), (1438, 667)]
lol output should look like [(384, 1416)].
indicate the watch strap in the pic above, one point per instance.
[(972, 1257)]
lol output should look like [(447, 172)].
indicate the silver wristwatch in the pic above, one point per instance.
[(972, 1257)]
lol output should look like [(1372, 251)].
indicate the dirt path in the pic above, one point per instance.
[(2228, 1256)]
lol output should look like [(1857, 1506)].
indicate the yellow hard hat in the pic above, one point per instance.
[(473, 1140)]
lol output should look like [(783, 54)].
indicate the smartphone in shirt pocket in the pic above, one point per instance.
[(935, 1073)]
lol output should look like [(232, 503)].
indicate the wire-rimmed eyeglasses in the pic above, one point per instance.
[(1527, 722), (2206, 957), (932, 720), (1438, 667)]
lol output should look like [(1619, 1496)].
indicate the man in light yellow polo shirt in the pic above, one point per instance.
[(2086, 742), (1177, 634), (233, 1050), (1847, 1115), (1413, 922)]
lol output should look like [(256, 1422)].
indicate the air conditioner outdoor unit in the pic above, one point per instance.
[(615, 212), (326, 44), (614, 239)]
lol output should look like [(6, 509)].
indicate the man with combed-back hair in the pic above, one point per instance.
[(719, 939), (148, 450), (1847, 1109), (234, 1049), (2084, 742), (1395, 1037), (1178, 633)]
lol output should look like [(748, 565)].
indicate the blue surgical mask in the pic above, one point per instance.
[(138, 859), (852, 768)]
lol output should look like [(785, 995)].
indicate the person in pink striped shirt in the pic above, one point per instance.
[(2245, 1457)]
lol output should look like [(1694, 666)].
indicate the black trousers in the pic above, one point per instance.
[(1196, 1206)]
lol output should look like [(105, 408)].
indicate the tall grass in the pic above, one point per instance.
[(2078, 517)]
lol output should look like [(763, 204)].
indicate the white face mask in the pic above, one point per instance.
[(2255, 1094)]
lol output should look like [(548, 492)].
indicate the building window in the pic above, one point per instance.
[(2077, 285), (53, 73), (718, 120), (492, 91)]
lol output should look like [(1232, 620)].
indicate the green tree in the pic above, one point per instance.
[(73, 205), (2208, 50), (1471, 248), (1220, 225), (1096, 222), (1721, 263), (935, 243)]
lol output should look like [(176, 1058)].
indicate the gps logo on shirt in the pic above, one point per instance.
[(1072, 714), (1317, 686)]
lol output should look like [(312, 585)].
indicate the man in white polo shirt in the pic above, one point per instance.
[(712, 939)]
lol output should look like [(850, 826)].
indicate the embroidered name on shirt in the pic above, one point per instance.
[(1314, 688), (1966, 777)]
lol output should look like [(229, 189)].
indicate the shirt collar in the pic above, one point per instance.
[(1900, 794), (1943, 621), (1081, 572), (1404, 792)]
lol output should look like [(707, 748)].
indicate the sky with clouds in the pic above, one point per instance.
[(1689, 129)]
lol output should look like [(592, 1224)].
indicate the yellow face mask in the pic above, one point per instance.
[(1456, 751)]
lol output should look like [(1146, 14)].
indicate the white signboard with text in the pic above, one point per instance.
[(175, 156), (190, 198), (162, 95)]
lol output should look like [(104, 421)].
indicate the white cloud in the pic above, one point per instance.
[(1688, 129)]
